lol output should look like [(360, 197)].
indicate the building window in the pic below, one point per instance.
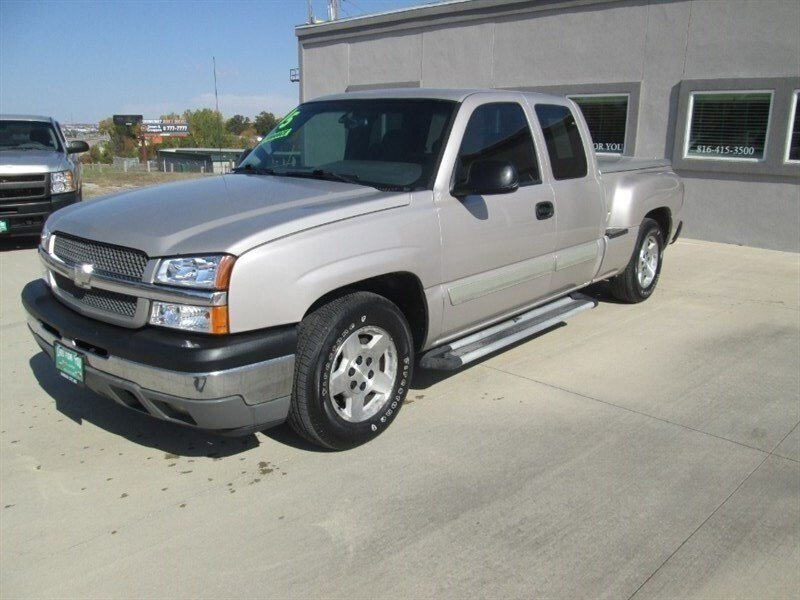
[(728, 125), (793, 147), (564, 144), (607, 118)]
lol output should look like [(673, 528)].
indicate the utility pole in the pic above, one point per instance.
[(219, 117), (333, 9)]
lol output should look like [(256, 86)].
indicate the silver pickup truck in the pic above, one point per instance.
[(38, 172), (368, 233)]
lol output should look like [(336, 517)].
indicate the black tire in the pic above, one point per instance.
[(626, 286), (314, 414)]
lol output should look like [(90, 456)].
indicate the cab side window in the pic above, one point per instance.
[(564, 143), (499, 131)]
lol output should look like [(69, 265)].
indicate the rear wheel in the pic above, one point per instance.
[(353, 366), (638, 281)]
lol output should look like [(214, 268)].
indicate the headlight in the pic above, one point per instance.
[(199, 272), (204, 272), (44, 238), (62, 182), (204, 319)]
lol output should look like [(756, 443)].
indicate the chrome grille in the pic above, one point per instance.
[(112, 261), (111, 302)]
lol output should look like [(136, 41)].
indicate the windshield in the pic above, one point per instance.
[(387, 144), (27, 135)]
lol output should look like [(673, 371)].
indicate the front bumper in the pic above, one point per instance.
[(231, 384), (26, 218)]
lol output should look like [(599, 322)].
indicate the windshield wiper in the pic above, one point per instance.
[(328, 175), (312, 174), (254, 170)]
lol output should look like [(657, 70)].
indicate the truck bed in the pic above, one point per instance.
[(621, 164)]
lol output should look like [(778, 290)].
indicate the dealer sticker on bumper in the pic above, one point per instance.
[(69, 363), (4, 226)]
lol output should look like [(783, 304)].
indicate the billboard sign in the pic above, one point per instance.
[(127, 119), (165, 128)]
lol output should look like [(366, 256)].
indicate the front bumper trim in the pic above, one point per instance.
[(256, 383), (237, 400)]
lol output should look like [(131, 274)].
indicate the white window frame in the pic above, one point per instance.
[(627, 97), (690, 114), (792, 114)]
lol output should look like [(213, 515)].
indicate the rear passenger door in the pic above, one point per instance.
[(497, 255), (580, 212)]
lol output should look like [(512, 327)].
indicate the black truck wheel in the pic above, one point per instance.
[(354, 362), (638, 281)]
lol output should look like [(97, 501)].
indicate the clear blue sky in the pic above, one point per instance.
[(82, 61)]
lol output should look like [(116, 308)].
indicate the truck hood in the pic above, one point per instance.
[(230, 213), (19, 162)]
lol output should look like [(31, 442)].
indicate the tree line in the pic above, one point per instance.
[(207, 129)]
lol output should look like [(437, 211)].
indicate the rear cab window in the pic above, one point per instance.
[(563, 139), (499, 131)]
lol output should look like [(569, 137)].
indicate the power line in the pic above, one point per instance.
[(363, 12)]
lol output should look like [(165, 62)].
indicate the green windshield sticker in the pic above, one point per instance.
[(277, 135), (284, 127), (288, 118)]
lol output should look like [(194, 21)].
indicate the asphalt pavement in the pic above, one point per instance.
[(645, 451)]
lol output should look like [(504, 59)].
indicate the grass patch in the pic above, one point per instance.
[(109, 181)]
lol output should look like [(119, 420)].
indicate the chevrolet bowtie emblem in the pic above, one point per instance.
[(82, 276)]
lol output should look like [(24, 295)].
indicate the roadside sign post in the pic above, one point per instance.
[(142, 144), (134, 121)]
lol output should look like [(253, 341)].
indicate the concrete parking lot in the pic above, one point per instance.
[(647, 451)]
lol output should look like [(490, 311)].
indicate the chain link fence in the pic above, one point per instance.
[(172, 165)]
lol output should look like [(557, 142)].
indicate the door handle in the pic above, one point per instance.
[(544, 210)]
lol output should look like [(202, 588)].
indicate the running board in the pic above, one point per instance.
[(472, 347)]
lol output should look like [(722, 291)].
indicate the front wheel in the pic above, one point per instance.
[(638, 281), (354, 362)]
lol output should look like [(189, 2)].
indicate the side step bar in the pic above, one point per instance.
[(477, 345)]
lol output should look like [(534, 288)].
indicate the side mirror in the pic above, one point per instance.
[(245, 153), (487, 177), (77, 146)]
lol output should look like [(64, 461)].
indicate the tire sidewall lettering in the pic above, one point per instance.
[(385, 416)]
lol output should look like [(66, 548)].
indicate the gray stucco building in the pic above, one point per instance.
[(711, 84)]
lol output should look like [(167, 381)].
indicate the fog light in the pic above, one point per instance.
[(204, 319)]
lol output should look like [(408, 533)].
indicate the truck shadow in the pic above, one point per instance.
[(283, 434), (80, 404), (19, 243), (601, 291), (425, 378)]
